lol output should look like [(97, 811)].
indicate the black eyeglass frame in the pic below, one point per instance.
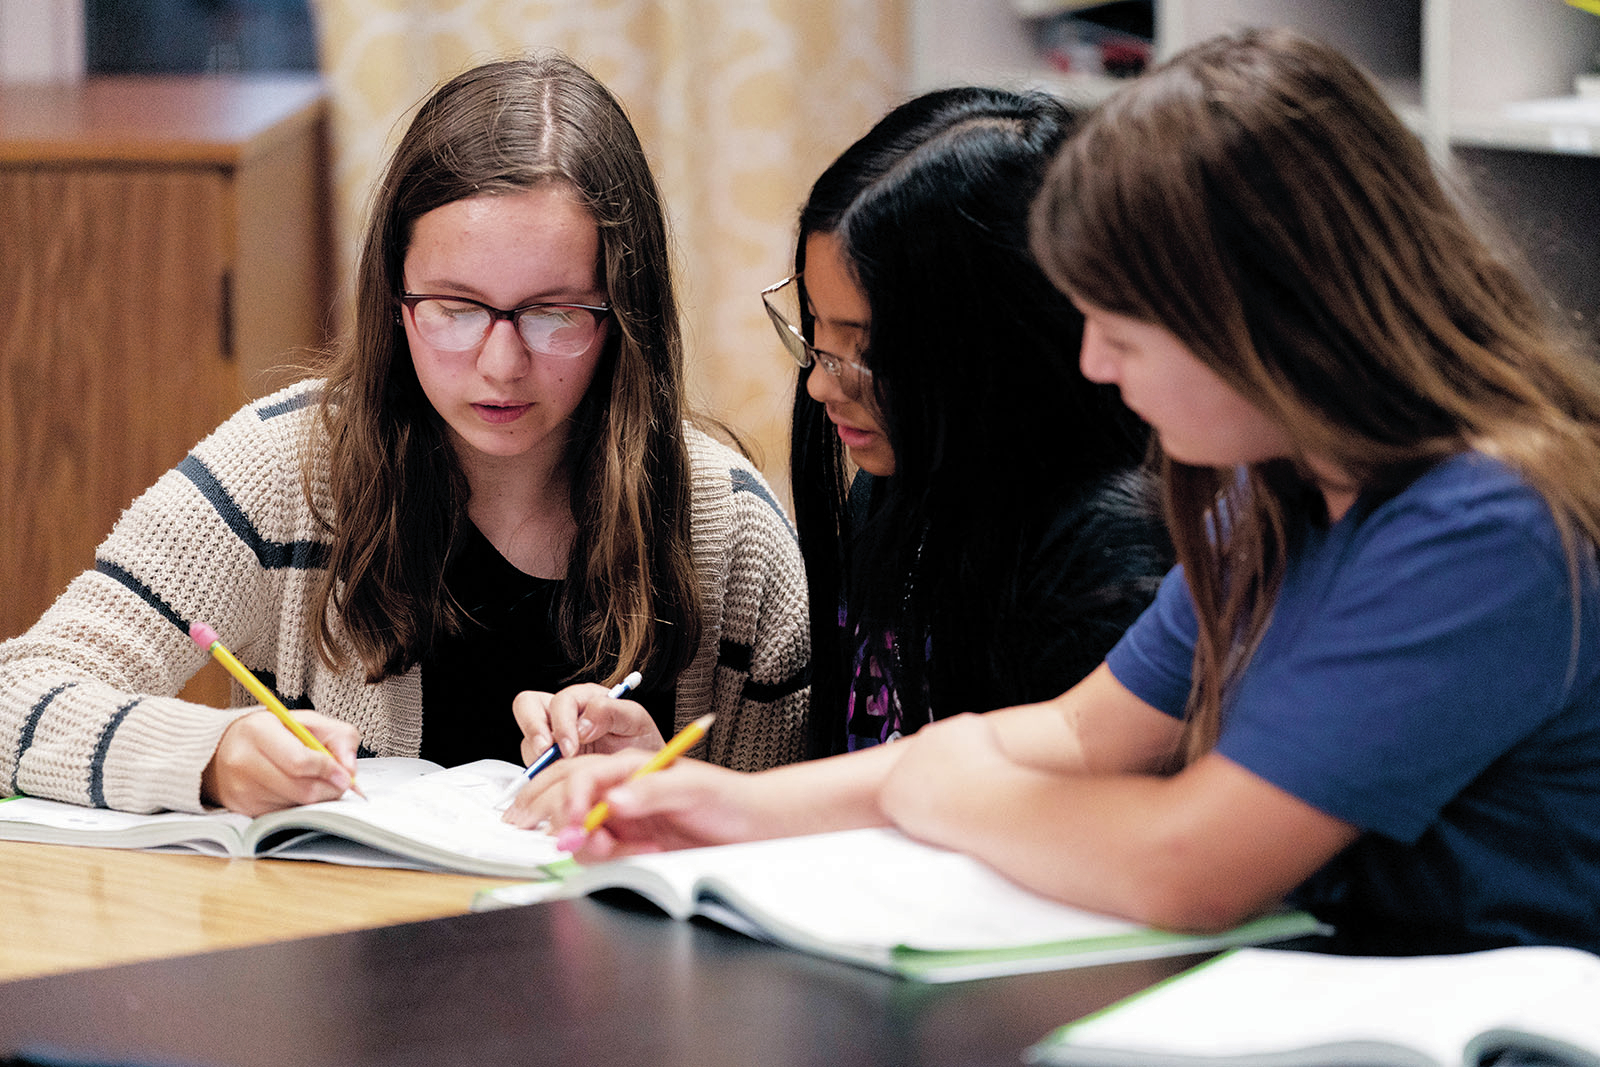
[(410, 301), (790, 335)]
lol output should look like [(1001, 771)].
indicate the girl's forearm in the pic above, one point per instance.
[(835, 793), (1096, 727), (1202, 849)]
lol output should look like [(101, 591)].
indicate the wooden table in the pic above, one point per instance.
[(65, 908)]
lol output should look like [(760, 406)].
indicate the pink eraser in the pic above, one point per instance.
[(203, 635), (571, 839)]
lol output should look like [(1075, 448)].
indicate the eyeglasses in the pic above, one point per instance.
[(782, 301), (459, 324)]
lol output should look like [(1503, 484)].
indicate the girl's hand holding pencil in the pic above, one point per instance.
[(552, 726), (633, 800), (584, 718), (274, 759)]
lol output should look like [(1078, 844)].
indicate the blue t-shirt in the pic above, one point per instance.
[(1421, 679)]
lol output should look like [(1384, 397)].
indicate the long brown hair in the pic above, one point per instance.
[(1256, 197), (398, 492)]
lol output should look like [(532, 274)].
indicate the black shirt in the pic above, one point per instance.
[(507, 645)]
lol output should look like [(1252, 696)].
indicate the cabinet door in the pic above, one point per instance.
[(112, 360)]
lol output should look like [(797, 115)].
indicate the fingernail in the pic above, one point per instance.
[(621, 798), (585, 730), (571, 839)]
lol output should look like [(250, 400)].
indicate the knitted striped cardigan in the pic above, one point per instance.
[(88, 711)]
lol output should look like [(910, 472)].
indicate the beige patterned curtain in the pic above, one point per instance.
[(740, 103)]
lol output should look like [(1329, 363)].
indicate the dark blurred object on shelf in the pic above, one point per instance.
[(198, 36), (1116, 39)]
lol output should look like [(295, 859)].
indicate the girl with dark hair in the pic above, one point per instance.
[(492, 489), (1001, 540), (997, 536)]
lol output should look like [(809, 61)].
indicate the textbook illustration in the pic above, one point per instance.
[(417, 815), (878, 899), (1266, 1008)]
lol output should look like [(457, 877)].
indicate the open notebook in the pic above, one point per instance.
[(878, 899), (1267, 1008), (417, 815)]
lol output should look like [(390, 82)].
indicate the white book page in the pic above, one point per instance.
[(318, 847), (35, 819), (671, 885), (1256, 1001), (450, 811), (879, 888), (1570, 1016)]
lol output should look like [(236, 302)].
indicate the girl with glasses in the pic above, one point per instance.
[(974, 525), (491, 492)]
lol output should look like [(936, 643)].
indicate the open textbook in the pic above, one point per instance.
[(417, 815), (878, 899), (1267, 1008)]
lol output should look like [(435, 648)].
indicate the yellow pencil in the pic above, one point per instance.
[(684, 740), (206, 638)]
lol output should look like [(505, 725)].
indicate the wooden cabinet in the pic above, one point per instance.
[(164, 246)]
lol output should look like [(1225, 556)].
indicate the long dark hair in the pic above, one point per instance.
[(398, 493), (1258, 198), (974, 361)]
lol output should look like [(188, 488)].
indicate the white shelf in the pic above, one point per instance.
[(1503, 73), (1568, 124), (1487, 84)]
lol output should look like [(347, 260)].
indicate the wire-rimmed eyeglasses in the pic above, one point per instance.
[(784, 296), (459, 323)]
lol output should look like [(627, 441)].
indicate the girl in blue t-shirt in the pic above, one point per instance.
[(1372, 685)]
